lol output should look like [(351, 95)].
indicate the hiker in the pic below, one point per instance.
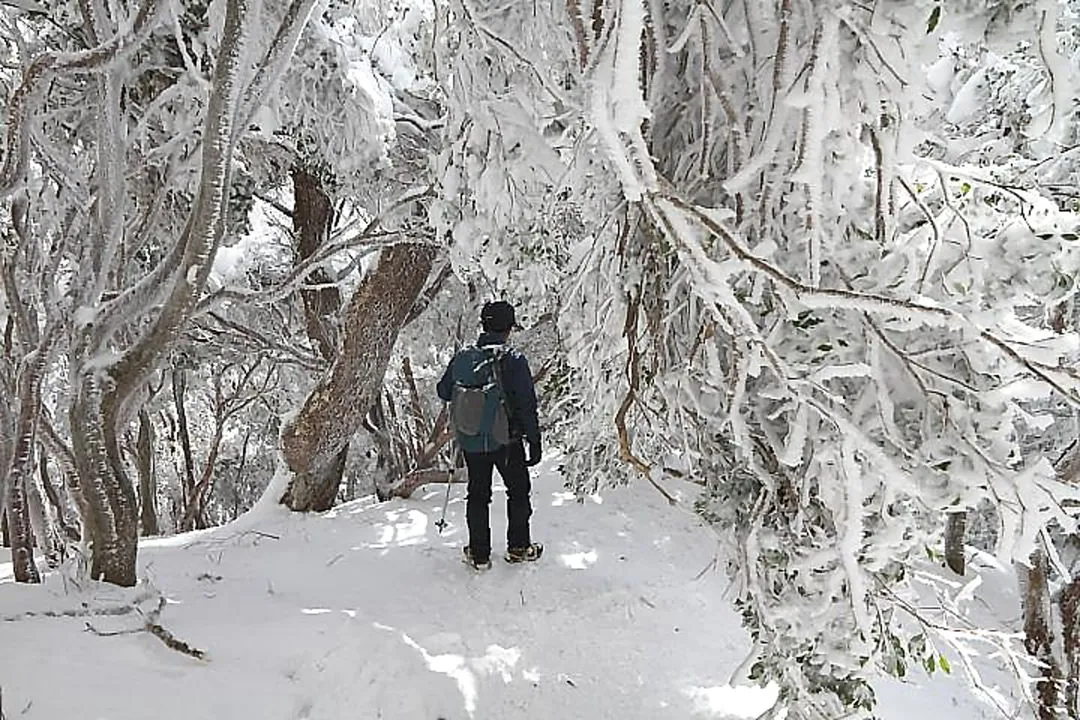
[(493, 414)]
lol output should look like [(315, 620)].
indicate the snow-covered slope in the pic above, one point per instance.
[(366, 612)]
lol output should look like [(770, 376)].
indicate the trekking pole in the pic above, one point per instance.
[(441, 522)]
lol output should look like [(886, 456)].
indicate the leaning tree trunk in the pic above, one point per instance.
[(313, 441)]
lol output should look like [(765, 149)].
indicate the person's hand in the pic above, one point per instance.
[(534, 454)]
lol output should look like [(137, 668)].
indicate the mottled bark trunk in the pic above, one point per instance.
[(1039, 636), (107, 492), (20, 535), (955, 537), (20, 469), (144, 466), (332, 413), (1070, 629)]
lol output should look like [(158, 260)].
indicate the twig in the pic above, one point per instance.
[(934, 226), (111, 633)]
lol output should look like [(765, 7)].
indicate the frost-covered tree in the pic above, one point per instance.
[(357, 111), (811, 275), (89, 116)]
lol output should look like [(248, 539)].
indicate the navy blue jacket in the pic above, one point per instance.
[(517, 387)]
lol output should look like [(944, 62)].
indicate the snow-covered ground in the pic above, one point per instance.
[(366, 612)]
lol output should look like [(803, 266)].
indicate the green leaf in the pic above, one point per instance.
[(935, 17), (929, 664), (1071, 237), (944, 664), (965, 188)]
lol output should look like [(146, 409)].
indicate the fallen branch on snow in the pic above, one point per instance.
[(84, 611), (155, 628)]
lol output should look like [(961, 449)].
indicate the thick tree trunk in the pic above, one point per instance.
[(22, 546), (1039, 636), (106, 490), (20, 469), (955, 536), (313, 441), (144, 466)]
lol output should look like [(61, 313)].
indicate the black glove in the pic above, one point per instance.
[(534, 453)]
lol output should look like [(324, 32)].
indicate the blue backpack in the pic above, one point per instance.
[(477, 406)]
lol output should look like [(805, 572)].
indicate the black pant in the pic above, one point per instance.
[(510, 461)]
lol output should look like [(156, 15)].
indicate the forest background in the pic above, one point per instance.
[(820, 259)]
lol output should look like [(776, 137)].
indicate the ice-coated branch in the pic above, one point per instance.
[(360, 243), (274, 62), (16, 147), (481, 28), (206, 221), (1057, 69), (1062, 379)]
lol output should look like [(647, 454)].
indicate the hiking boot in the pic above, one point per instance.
[(525, 554), (468, 559)]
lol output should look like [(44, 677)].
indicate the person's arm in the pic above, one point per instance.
[(445, 388), (522, 396)]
